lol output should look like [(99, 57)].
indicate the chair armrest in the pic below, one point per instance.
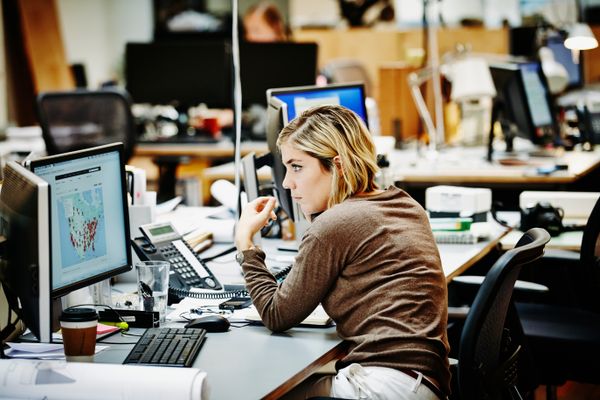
[(458, 313), (523, 286)]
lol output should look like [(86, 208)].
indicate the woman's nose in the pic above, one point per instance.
[(287, 184)]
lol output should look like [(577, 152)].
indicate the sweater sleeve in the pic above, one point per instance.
[(286, 305)]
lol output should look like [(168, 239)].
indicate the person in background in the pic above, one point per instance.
[(263, 23), (369, 257)]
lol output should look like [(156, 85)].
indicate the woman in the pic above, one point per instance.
[(369, 258), (264, 23)]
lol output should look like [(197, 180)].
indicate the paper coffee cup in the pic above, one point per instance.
[(78, 327)]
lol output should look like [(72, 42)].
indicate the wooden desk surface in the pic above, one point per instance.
[(457, 258), (468, 165), (202, 150)]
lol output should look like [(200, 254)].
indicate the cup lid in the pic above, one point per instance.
[(79, 315)]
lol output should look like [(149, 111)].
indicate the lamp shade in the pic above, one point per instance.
[(471, 79), (581, 37)]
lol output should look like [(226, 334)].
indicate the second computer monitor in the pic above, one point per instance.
[(185, 73), (525, 101), (298, 99), (270, 65), (287, 103)]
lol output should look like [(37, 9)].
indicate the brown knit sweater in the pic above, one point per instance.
[(373, 264)]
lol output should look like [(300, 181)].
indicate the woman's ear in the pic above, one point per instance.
[(337, 162)]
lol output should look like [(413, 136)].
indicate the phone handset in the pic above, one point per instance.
[(161, 241)]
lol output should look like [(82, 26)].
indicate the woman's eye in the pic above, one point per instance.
[(296, 167)]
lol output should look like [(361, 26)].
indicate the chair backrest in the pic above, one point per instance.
[(484, 364), (78, 119), (590, 247)]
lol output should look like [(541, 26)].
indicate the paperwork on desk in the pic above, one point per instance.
[(29, 379), (188, 219), (246, 315), (43, 351)]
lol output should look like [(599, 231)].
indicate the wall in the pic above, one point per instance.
[(95, 32)]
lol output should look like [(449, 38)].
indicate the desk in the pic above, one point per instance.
[(457, 258), (252, 362), (468, 165), (569, 241)]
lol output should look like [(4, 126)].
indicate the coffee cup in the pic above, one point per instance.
[(78, 327)]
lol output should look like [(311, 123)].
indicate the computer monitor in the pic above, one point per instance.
[(298, 99), (25, 223), (184, 73), (89, 221), (272, 65), (285, 104), (523, 102)]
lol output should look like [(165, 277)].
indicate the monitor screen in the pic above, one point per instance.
[(298, 99), (89, 220), (525, 103), (271, 65), (25, 223), (184, 73)]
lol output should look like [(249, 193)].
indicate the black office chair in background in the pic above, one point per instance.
[(79, 119), (492, 351), (563, 328)]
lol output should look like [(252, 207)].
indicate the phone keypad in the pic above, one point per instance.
[(183, 268)]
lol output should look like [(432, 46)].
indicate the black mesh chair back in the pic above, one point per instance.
[(79, 119), (590, 250), (488, 356)]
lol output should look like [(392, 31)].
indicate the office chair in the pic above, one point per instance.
[(564, 331), (79, 119), (492, 349)]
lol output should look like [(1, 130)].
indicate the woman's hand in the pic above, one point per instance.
[(255, 215)]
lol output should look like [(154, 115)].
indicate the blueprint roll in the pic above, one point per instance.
[(27, 379)]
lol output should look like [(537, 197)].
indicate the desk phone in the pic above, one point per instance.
[(162, 242)]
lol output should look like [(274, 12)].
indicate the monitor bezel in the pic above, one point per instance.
[(42, 326), (273, 92), (514, 108), (64, 157)]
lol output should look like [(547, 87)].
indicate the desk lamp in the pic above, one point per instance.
[(581, 37)]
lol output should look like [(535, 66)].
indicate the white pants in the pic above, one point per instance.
[(378, 383)]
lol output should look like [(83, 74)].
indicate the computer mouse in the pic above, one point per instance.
[(212, 323)]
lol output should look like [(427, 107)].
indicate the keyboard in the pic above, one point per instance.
[(167, 347)]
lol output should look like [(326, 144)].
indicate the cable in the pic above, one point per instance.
[(180, 292)]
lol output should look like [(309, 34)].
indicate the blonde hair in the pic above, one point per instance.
[(325, 132)]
